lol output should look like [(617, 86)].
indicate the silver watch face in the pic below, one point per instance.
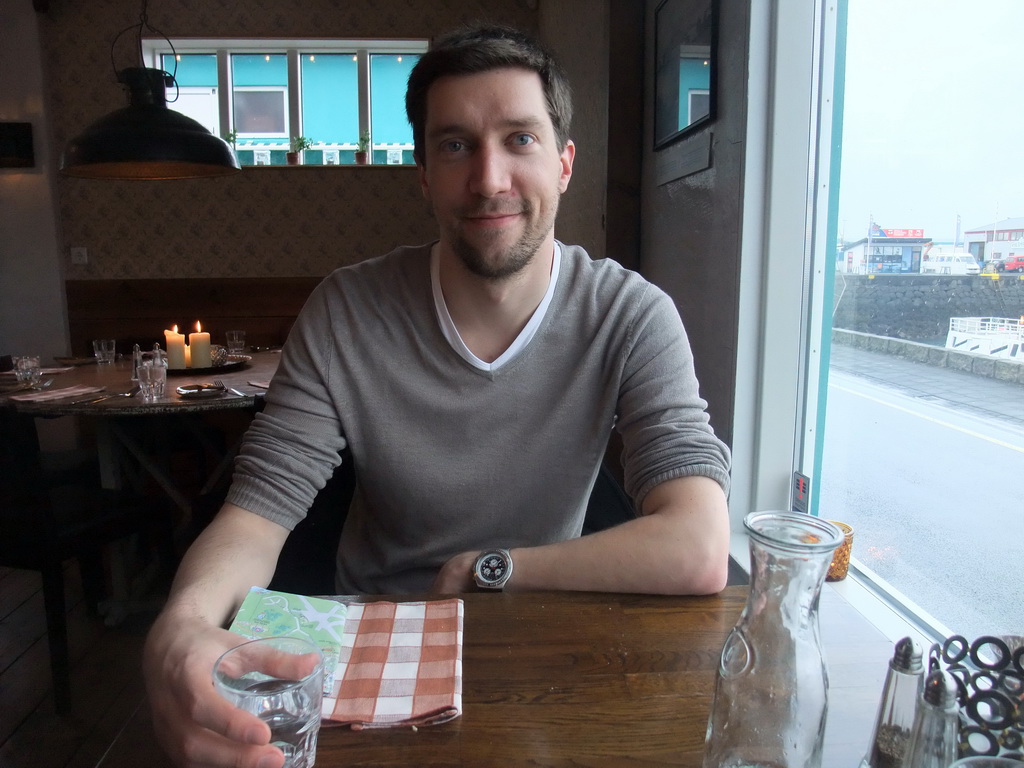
[(493, 567)]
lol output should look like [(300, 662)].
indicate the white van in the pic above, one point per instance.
[(949, 264)]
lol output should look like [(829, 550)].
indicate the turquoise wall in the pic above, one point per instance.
[(694, 75), (330, 98), (388, 79), (198, 69)]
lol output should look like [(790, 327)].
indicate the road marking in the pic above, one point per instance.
[(940, 422)]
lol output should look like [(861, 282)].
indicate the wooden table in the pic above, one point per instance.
[(588, 679), (123, 423)]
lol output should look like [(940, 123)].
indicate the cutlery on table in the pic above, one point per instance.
[(219, 383), (130, 393)]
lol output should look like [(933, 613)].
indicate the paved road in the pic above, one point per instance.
[(922, 524), (992, 399)]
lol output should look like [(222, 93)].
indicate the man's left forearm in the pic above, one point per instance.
[(680, 545)]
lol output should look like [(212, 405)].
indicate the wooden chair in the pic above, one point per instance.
[(45, 521)]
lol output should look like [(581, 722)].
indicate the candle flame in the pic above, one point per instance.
[(174, 328), (199, 327)]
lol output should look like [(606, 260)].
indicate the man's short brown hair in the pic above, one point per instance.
[(483, 48)]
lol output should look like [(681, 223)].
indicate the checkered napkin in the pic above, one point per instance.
[(401, 665)]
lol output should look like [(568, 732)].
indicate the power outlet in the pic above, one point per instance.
[(79, 255)]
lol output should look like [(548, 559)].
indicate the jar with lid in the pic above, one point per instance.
[(771, 691)]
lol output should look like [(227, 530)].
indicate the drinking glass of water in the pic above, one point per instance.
[(152, 373), (104, 350), (280, 680), (235, 342), (27, 370)]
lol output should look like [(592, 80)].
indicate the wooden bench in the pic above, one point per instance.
[(138, 311)]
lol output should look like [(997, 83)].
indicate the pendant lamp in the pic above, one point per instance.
[(146, 139)]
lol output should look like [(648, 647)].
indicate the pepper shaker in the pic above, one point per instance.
[(933, 742), (902, 689)]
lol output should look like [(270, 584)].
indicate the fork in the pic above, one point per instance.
[(219, 383)]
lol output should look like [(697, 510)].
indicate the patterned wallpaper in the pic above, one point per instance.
[(262, 222)]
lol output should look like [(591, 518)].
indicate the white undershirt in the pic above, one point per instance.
[(451, 333)]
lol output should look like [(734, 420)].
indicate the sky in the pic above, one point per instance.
[(933, 122)]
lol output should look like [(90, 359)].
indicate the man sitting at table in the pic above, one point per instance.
[(476, 381)]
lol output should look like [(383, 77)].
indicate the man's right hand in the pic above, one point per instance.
[(194, 724)]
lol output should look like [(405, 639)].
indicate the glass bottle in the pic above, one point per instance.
[(933, 740), (136, 359), (903, 685), (771, 692)]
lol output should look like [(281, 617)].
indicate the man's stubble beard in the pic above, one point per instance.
[(512, 261)]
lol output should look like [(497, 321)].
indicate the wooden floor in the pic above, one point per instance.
[(106, 684)]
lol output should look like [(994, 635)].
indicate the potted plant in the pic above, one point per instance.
[(363, 148), (299, 143), (231, 137)]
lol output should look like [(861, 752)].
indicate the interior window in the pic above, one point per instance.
[(262, 95)]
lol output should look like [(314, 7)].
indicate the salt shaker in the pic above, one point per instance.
[(903, 685), (933, 740)]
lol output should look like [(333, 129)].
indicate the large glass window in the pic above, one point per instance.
[(263, 95), (925, 459)]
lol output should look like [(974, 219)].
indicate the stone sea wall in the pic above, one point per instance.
[(918, 307), (969, 362)]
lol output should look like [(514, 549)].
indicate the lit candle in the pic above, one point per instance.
[(199, 348), (175, 343)]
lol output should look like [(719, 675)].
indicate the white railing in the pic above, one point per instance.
[(1003, 327)]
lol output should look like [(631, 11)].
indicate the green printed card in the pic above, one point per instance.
[(264, 613)]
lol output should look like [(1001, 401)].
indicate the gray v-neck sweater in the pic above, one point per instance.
[(450, 458)]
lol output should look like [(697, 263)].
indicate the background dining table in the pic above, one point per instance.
[(589, 679), (125, 424)]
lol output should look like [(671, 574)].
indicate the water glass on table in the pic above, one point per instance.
[(152, 373), (104, 350), (27, 370), (267, 678), (235, 342)]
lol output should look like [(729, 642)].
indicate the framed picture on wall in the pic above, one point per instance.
[(685, 42)]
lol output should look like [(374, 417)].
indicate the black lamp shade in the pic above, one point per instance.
[(146, 140)]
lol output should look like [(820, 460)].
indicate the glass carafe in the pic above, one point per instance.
[(771, 693)]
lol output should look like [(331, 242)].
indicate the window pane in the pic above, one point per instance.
[(330, 98), (392, 134), (923, 460), (195, 94), (193, 69), (260, 97)]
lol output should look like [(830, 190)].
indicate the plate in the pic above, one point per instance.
[(234, 362), (200, 391)]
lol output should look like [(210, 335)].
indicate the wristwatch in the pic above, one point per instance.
[(493, 569)]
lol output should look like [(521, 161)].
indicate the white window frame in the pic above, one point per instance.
[(282, 91), (362, 48)]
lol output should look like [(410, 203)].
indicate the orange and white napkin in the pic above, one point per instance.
[(56, 394), (401, 665)]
